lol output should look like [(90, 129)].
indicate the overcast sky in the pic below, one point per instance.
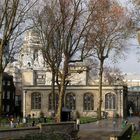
[(131, 63)]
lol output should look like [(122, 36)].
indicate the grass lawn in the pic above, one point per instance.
[(84, 120), (5, 123), (135, 137)]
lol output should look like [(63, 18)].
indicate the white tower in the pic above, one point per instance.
[(31, 55)]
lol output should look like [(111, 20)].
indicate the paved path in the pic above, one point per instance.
[(103, 129)]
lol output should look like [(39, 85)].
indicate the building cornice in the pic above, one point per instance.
[(94, 87)]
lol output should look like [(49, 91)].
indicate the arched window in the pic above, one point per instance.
[(71, 101), (88, 101), (110, 101), (50, 107), (36, 101)]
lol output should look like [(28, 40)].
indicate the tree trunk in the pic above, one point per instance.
[(60, 102), (53, 91), (1, 91), (99, 111), (62, 90), (1, 75)]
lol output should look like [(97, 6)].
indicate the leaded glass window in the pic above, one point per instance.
[(88, 101), (36, 101), (71, 101), (110, 101), (50, 107)]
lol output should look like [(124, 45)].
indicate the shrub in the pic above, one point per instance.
[(135, 137), (41, 114), (77, 114), (116, 115)]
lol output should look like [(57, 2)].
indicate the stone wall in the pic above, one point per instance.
[(125, 134), (63, 127), (79, 92), (17, 132)]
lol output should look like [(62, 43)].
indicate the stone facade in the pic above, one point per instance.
[(79, 92)]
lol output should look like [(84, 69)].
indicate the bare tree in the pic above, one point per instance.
[(113, 75), (137, 2), (136, 18), (63, 29), (109, 24), (13, 15)]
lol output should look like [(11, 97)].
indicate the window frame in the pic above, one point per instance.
[(70, 101), (88, 102), (110, 101), (50, 101), (8, 94), (36, 101)]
